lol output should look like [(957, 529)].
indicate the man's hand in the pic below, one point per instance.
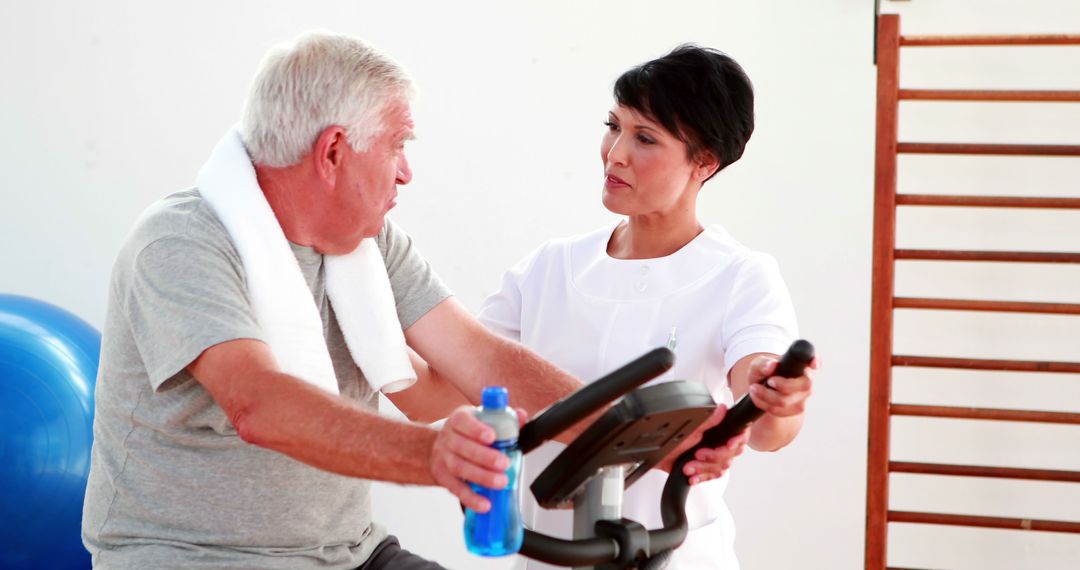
[(462, 454), (708, 463)]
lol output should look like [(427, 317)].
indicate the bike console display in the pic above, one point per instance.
[(638, 432)]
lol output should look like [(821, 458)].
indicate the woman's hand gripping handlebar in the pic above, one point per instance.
[(792, 364)]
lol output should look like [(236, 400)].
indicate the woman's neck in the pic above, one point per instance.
[(647, 237)]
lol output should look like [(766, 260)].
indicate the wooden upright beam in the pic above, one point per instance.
[(881, 310)]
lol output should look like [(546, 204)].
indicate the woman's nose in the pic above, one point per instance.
[(617, 153)]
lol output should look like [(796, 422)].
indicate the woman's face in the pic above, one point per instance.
[(646, 168)]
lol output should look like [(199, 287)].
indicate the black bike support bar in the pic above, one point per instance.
[(579, 405)]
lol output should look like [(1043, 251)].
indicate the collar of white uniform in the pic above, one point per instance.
[(593, 272)]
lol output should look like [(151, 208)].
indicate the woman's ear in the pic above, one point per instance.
[(328, 152), (707, 165)]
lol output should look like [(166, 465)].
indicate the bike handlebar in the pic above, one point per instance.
[(591, 398)]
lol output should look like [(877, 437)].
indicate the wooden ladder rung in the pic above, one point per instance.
[(991, 40), (1064, 203), (989, 95), (1007, 256), (985, 522), (990, 306), (986, 364), (1067, 418), (989, 149), (981, 471)]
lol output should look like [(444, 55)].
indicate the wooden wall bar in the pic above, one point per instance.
[(883, 301)]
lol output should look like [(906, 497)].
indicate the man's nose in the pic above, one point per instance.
[(404, 173)]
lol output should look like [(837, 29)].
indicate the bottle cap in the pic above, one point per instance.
[(494, 397)]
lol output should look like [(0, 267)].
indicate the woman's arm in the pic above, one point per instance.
[(783, 401), (432, 398)]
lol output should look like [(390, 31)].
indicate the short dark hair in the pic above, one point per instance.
[(698, 94)]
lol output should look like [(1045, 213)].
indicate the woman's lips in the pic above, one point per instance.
[(612, 181)]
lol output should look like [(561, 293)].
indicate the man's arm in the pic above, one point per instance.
[(277, 411), (784, 404), (470, 357)]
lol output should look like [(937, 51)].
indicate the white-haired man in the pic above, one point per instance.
[(209, 452)]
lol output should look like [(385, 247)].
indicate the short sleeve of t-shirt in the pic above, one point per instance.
[(183, 296), (182, 288), (417, 289), (760, 316)]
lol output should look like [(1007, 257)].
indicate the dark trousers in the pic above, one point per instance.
[(389, 555)]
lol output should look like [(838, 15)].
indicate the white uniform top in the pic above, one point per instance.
[(590, 313)]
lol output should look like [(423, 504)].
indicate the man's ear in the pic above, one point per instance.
[(707, 165), (329, 152)]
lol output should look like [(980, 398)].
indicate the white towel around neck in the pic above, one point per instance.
[(356, 283)]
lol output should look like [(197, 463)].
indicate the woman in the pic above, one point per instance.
[(591, 303)]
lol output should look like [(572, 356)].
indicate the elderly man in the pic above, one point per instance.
[(224, 438)]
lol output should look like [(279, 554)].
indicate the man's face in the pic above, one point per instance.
[(366, 188)]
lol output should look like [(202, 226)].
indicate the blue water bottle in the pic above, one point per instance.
[(498, 532)]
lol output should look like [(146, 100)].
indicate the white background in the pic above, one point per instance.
[(107, 106)]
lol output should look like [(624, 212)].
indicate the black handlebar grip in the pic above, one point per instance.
[(794, 362), (792, 365)]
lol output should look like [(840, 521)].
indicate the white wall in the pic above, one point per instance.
[(109, 105)]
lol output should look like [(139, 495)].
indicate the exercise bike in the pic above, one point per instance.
[(617, 449)]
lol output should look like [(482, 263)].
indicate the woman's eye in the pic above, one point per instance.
[(611, 125), (645, 140)]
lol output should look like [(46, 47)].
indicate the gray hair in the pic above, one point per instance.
[(318, 80)]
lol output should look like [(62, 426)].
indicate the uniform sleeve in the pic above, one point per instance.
[(182, 296), (417, 289), (501, 311), (760, 315)]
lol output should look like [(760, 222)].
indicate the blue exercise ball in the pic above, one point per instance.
[(48, 363)]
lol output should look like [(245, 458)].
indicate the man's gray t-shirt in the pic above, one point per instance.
[(171, 484)]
